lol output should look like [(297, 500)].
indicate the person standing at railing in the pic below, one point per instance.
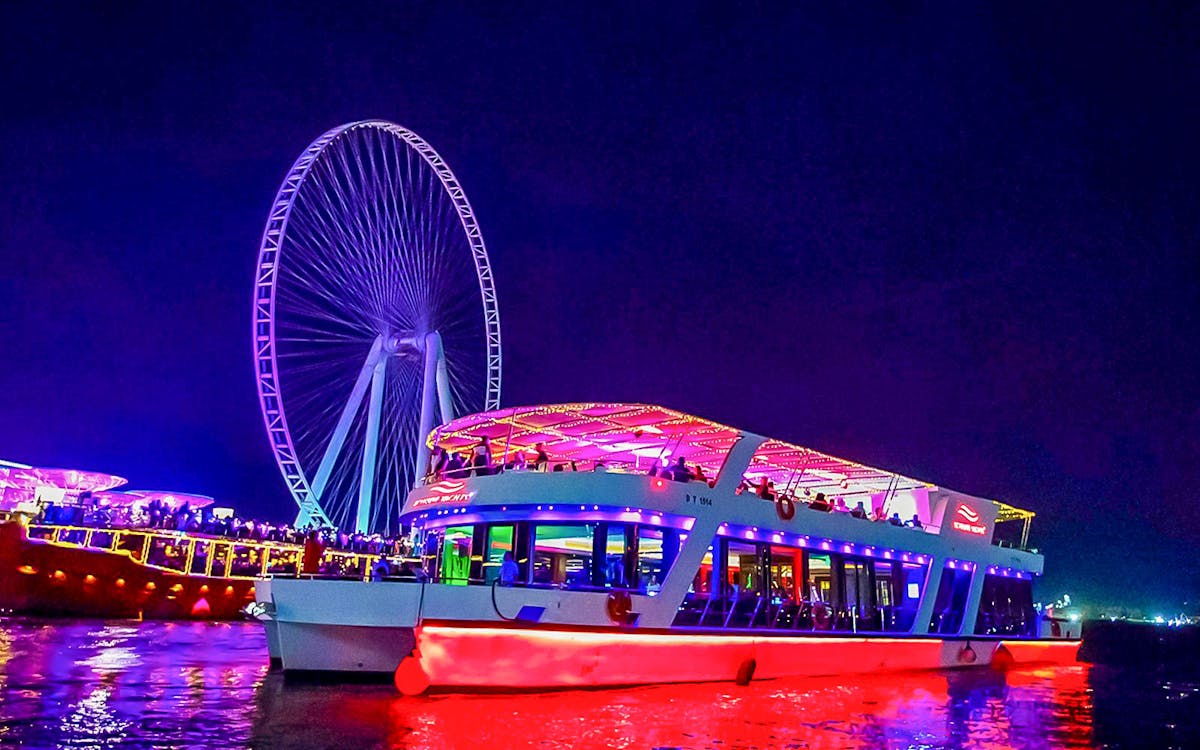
[(481, 460), (455, 467), (541, 459), (440, 461), (313, 549)]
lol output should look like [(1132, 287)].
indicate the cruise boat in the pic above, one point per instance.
[(67, 548), (608, 565)]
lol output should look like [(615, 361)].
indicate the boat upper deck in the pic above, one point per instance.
[(640, 438)]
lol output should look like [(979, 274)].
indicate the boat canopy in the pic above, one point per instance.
[(21, 477), (635, 437), (171, 500), (626, 436)]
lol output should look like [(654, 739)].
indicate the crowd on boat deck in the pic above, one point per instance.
[(158, 515), (479, 461), (765, 489)]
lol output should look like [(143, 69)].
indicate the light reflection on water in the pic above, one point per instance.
[(151, 685)]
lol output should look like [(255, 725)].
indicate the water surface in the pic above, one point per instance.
[(176, 685)]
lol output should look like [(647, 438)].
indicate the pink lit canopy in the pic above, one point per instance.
[(171, 500), (21, 477), (636, 436)]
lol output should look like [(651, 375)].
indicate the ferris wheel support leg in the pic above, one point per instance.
[(367, 484), (435, 384), (343, 426), (443, 385)]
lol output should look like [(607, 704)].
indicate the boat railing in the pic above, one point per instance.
[(190, 553)]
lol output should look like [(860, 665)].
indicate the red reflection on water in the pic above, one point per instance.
[(155, 685), (976, 709)]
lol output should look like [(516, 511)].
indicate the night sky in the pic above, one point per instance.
[(960, 244)]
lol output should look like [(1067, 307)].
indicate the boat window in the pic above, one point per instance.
[(167, 552), (431, 545), (455, 565), (857, 611), (246, 562), (820, 577), (951, 600), (786, 574), (743, 571), (562, 554), (907, 583), (1006, 607), (499, 541), (135, 544), (656, 552), (220, 559), (703, 580), (200, 557), (282, 561)]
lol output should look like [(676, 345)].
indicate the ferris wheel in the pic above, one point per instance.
[(375, 318)]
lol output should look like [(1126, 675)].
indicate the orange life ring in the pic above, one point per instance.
[(619, 606), (785, 507)]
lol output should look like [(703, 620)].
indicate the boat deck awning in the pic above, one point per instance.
[(635, 437), (627, 436)]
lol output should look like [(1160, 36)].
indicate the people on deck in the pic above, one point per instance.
[(481, 459), (380, 569), (859, 511), (915, 522), (437, 469), (680, 472), (313, 549), (819, 503), (541, 459), (455, 467), (895, 520)]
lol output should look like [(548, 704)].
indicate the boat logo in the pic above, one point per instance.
[(448, 492), (967, 519)]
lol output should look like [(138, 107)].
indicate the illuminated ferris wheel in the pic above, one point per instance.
[(375, 318)]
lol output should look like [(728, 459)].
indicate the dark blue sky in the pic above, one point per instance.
[(958, 243)]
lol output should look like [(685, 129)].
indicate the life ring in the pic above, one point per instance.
[(785, 507), (967, 655), (619, 606), (410, 677), (821, 616)]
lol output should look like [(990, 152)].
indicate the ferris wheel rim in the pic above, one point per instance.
[(263, 339)]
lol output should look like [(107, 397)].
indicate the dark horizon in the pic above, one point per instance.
[(960, 244)]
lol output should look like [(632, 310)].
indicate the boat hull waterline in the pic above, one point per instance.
[(450, 657)]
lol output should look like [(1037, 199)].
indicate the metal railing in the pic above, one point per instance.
[(201, 554)]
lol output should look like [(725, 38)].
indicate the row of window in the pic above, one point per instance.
[(595, 555), (739, 584), (759, 585)]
